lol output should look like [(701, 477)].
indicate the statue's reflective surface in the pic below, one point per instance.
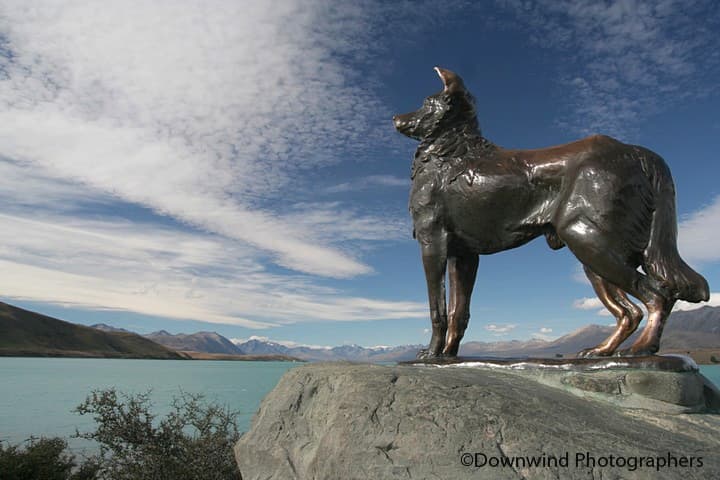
[(611, 204)]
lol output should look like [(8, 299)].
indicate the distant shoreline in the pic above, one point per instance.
[(80, 354), (239, 358), (182, 356), (701, 356)]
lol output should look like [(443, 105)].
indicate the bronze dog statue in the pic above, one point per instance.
[(611, 204)]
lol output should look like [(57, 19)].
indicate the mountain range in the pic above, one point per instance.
[(695, 330), (202, 345), (685, 331), (26, 333), (354, 353), (206, 342)]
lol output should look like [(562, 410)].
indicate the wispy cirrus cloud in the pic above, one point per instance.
[(204, 115), (637, 57), (155, 270), (371, 181), (199, 111), (64, 246)]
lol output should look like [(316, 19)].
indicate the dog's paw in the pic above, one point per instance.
[(626, 352), (426, 353), (423, 353), (594, 352), (636, 352)]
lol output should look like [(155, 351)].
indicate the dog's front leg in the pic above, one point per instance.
[(462, 270), (434, 257)]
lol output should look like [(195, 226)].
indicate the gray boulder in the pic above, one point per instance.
[(353, 421)]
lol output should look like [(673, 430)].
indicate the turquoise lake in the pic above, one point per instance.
[(38, 395)]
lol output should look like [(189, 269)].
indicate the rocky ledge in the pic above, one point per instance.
[(665, 383), (353, 421)]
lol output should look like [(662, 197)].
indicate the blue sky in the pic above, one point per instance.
[(232, 166)]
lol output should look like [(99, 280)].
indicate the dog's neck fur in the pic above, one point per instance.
[(449, 142)]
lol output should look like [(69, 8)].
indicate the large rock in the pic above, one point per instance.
[(666, 383), (348, 421)]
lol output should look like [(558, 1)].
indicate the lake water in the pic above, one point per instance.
[(38, 395)]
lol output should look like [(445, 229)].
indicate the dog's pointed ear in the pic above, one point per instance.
[(451, 81)]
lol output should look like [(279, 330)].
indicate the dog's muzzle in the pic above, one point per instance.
[(403, 123)]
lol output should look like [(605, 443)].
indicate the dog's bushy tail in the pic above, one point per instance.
[(661, 258)]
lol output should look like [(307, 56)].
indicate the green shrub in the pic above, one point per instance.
[(43, 458), (193, 442)]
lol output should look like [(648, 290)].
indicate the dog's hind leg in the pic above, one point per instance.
[(627, 314), (603, 254), (434, 258), (659, 308), (461, 273)]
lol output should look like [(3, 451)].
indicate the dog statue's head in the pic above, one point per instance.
[(452, 107)]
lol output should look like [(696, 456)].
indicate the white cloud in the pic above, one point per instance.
[(594, 303), (371, 181), (713, 302), (500, 329), (591, 303), (543, 334), (323, 219), (25, 187), (200, 111), (167, 272), (203, 116), (637, 57), (698, 234), (588, 303)]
